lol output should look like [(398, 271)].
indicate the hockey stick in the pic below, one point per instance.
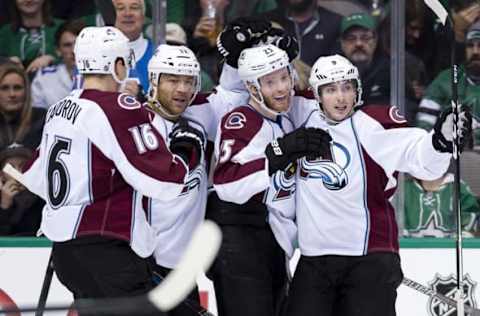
[(107, 10), (444, 299), (191, 304), (443, 15), (197, 258), (14, 173), (47, 281)]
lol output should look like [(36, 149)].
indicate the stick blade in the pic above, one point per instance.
[(197, 258), (14, 173), (437, 7)]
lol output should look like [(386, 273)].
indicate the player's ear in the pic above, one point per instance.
[(253, 90), (120, 69)]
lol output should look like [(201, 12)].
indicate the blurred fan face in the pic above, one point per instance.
[(65, 49), (130, 17), (175, 92), (472, 52), (12, 93), (29, 7), (414, 31), (358, 45), (337, 99), (276, 89)]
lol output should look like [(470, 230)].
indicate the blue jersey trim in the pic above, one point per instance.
[(365, 205)]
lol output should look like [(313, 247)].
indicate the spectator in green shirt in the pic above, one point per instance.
[(439, 93), (429, 208), (29, 38)]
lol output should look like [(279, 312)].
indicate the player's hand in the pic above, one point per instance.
[(130, 87), (187, 142), (240, 34), (9, 189), (442, 139), (303, 142), (283, 41)]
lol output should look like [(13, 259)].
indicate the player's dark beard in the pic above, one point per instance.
[(301, 6), (473, 68)]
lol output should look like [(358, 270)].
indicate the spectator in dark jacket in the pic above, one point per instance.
[(359, 41), (316, 29), (20, 210)]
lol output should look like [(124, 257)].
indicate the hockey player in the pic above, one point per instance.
[(347, 231), (99, 154), (174, 74), (173, 96), (256, 150)]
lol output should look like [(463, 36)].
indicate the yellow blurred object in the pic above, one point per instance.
[(212, 36)]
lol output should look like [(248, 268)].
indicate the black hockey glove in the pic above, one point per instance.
[(187, 142), (303, 142), (442, 139), (241, 33), (283, 41)]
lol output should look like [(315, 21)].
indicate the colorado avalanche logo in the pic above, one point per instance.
[(330, 172), (128, 102), (284, 183), (236, 120), (193, 181), (396, 116)]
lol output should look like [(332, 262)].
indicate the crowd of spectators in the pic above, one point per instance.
[(37, 67)]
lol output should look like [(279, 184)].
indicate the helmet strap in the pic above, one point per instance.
[(259, 104), (158, 108)]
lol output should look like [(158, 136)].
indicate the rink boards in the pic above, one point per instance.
[(427, 261)]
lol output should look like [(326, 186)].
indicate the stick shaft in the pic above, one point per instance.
[(47, 281), (456, 162)]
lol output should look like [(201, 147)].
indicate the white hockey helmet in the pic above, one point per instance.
[(174, 60), (98, 48), (334, 68), (259, 61)]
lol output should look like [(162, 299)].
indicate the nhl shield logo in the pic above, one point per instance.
[(447, 286)]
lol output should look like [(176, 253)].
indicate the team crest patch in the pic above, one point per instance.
[(396, 116), (128, 102), (329, 170), (447, 286), (236, 120), (284, 183)]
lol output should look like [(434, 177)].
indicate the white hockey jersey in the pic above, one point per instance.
[(174, 220), (343, 207), (98, 155), (50, 85), (241, 172)]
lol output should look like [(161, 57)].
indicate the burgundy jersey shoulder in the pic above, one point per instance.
[(241, 123), (305, 93), (120, 108), (200, 98), (388, 116)]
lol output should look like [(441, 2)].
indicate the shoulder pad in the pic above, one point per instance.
[(306, 93), (201, 98), (242, 120), (128, 102), (388, 116)]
